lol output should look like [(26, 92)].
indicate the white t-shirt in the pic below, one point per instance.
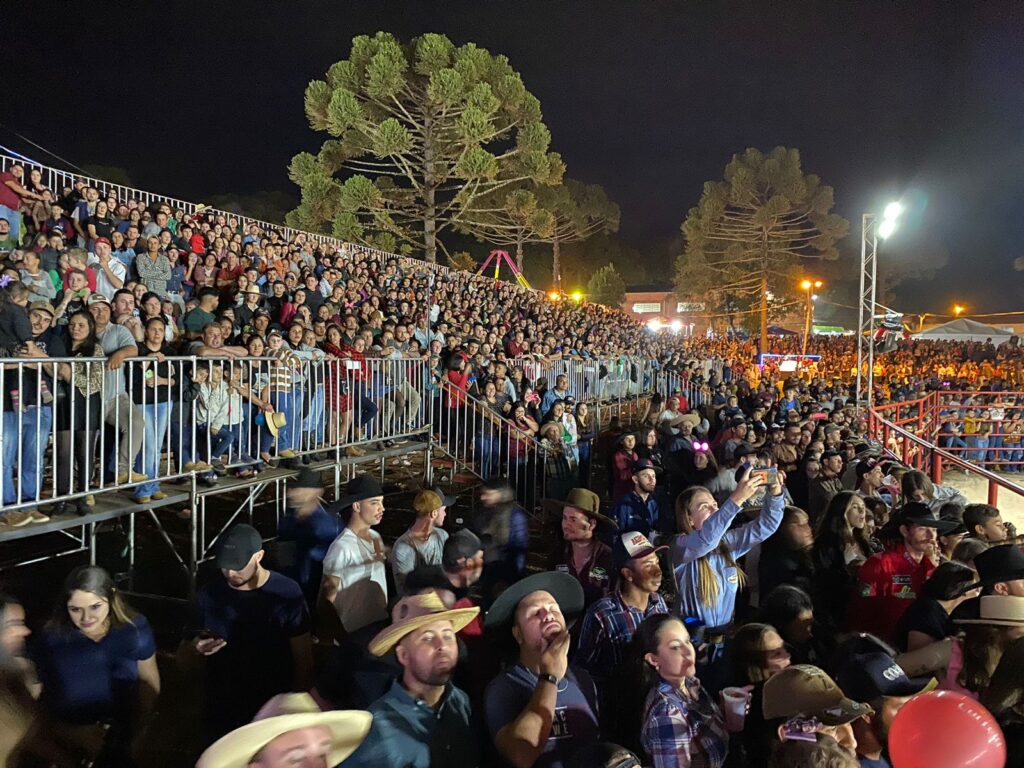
[(103, 284), (359, 565)]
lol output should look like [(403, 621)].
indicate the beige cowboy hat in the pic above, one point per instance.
[(283, 713), (416, 611), (586, 501), (275, 420), (1001, 610)]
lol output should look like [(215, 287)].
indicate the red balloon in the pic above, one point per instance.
[(945, 729)]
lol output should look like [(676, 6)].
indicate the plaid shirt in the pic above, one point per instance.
[(684, 731), (607, 630)]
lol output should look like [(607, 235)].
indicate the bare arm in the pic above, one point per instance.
[(149, 686)]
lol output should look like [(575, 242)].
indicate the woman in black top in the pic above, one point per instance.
[(101, 224), (927, 619), (789, 609), (786, 554), (152, 380)]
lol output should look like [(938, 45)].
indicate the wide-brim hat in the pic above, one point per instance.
[(274, 421), (416, 611), (1000, 610), (282, 714), (1004, 562), (360, 488), (918, 513), (566, 590), (586, 501)]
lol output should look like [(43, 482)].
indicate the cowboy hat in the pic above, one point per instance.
[(566, 590), (284, 713), (275, 420), (415, 612), (360, 488), (1000, 610), (586, 501)]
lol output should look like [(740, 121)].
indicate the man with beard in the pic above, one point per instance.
[(252, 626), (423, 721), (639, 510), (584, 556), (540, 712)]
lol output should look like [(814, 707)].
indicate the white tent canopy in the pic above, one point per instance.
[(964, 329)]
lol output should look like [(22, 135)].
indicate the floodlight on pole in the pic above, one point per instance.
[(959, 309), (893, 211)]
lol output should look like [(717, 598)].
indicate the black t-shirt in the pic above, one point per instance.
[(104, 225), (53, 343), (138, 377), (927, 616)]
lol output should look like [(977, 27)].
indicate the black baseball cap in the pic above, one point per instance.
[(237, 547), (460, 545), (868, 676)]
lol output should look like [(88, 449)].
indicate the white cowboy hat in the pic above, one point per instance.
[(283, 713)]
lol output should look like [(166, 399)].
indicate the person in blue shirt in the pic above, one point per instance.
[(97, 664), (559, 392), (423, 721), (639, 510), (305, 533)]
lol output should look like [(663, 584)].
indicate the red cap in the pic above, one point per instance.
[(102, 240)]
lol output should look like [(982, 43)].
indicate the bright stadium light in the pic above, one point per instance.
[(893, 211), (654, 325), (886, 228), (554, 296), (577, 296), (676, 326)]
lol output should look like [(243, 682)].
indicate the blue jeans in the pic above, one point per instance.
[(487, 454), (285, 402), (314, 423), (996, 457), (35, 422), (978, 443), (155, 417)]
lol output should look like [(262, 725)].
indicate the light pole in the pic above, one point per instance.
[(808, 286), (871, 229)]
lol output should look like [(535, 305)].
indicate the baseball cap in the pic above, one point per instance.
[(460, 545), (864, 466), (97, 298), (426, 502), (807, 691), (631, 545), (868, 676), (42, 306), (237, 547), (830, 454), (641, 464), (99, 240)]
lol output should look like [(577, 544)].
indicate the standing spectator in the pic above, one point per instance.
[(12, 196), (423, 721), (620, 468), (252, 627), (929, 618), (423, 543), (504, 529), (305, 532), (153, 389), (582, 554), (153, 267), (97, 665), (540, 711), (983, 521), (355, 580), (840, 549), (827, 484), (786, 555)]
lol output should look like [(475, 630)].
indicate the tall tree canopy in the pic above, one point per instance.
[(606, 287), (580, 211), (751, 234), (422, 131)]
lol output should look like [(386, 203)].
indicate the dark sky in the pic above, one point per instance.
[(649, 99)]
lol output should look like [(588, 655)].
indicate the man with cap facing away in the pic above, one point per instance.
[(611, 622), (889, 581), (638, 510), (252, 625), (803, 699), (539, 712), (355, 582), (876, 678), (423, 543), (423, 721), (582, 555), (289, 731), (305, 532)]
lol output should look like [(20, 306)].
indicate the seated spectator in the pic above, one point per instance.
[(540, 711), (97, 665), (423, 720), (983, 521), (252, 629), (639, 510), (423, 542), (928, 619), (581, 553), (290, 730)]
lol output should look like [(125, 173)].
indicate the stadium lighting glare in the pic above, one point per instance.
[(676, 326), (893, 211), (555, 296), (654, 325), (806, 285), (959, 309), (886, 228), (577, 296)]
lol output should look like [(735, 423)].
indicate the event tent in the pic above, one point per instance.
[(964, 329)]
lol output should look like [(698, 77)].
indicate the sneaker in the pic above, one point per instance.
[(159, 496), (287, 453), (39, 517), (131, 477), (353, 451), (90, 500), (143, 499), (16, 519)]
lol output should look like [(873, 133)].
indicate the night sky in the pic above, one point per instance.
[(649, 99)]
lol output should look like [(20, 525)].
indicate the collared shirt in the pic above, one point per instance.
[(607, 630), (633, 513), (683, 731), (887, 584), (596, 574), (409, 733)]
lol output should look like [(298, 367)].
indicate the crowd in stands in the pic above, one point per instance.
[(753, 582)]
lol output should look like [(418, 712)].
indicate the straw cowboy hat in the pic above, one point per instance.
[(275, 420), (1000, 610), (416, 611), (283, 713)]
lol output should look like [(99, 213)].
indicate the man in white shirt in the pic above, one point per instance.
[(110, 273), (355, 581)]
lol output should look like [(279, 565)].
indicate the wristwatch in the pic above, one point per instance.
[(549, 678)]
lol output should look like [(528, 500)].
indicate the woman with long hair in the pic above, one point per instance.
[(586, 431), (790, 610), (704, 556), (97, 663), (840, 548), (786, 556), (620, 468), (680, 725), (80, 413), (756, 653)]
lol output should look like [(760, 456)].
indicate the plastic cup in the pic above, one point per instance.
[(734, 706)]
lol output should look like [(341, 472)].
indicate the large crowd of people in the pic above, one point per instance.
[(742, 580)]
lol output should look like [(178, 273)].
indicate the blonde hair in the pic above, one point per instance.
[(707, 581)]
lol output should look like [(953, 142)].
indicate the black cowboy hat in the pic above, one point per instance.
[(564, 588), (359, 489)]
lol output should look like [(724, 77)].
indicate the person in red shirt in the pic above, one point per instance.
[(890, 581)]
